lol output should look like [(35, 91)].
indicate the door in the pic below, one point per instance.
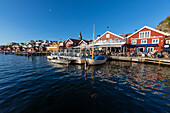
[(141, 49)]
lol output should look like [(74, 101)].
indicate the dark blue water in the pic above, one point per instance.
[(37, 86)]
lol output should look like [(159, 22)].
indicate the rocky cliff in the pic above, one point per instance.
[(164, 25)]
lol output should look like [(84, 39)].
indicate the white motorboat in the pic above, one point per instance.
[(52, 56), (60, 61)]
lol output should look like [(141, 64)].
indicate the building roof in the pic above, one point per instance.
[(125, 35), (86, 41), (167, 38), (150, 29), (73, 40)]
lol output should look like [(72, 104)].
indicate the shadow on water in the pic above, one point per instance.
[(39, 86)]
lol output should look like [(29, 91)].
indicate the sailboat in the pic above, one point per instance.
[(95, 60)]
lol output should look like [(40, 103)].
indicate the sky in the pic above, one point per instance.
[(25, 20)]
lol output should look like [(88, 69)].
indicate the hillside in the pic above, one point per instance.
[(164, 25)]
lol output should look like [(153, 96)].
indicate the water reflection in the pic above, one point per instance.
[(143, 79)]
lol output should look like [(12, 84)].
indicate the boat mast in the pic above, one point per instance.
[(93, 41)]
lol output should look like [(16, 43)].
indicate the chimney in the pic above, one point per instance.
[(135, 30), (98, 36)]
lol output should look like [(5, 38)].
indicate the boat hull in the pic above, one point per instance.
[(95, 62), (52, 57), (60, 61)]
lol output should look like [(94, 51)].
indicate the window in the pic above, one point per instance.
[(83, 44), (155, 41), (144, 34), (107, 35), (141, 35), (134, 42), (167, 41), (143, 41), (150, 49), (116, 40), (70, 43), (105, 40), (100, 41), (110, 40)]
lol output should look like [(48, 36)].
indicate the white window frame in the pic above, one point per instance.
[(142, 34), (105, 40), (70, 42), (150, 48), (167, 41), (100, 40), (110, 40), (132, 42), (155, 41), (107, 35), (143, 43), (117, 40), (83, 43)]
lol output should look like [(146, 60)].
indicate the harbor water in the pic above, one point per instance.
[(35, 85)]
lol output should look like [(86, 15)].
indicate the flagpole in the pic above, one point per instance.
[(93, 41)]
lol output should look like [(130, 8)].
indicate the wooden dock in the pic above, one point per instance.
[(141, 60), (32, 53), (7, 52), (75, 60)]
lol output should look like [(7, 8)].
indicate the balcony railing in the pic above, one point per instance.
[(103, 42)]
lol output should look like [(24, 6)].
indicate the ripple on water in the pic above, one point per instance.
[(39, 86)]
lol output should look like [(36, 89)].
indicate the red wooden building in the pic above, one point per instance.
[(146, 39), (71, 42), (167, 44), (111, 41)]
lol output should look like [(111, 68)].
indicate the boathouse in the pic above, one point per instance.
[(110, 41), (167, 44), (53, 47), (146, 39)]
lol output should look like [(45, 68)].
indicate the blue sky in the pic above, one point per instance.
[(24, 20)]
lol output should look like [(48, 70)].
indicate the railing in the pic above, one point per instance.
[(103, 42), (72, 54)]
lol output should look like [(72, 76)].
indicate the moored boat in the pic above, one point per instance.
[(96, 60), (52, 56), (60, 61)]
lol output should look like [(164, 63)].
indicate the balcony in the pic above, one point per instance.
[(110, 42)]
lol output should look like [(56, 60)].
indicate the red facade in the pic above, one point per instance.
[(108, 35), (154, 37)]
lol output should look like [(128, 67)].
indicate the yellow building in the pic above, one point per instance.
[(53, 47)]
